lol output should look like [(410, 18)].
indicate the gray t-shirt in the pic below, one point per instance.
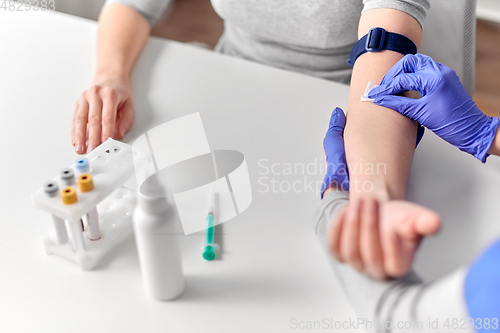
[(309, 36)]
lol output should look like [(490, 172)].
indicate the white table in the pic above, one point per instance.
[(273, 269)]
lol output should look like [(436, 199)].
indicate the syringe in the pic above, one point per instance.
[(210, 247)]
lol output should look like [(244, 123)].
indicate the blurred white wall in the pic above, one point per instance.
[(488, 10)]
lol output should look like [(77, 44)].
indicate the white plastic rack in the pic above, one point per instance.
[(111, 165)]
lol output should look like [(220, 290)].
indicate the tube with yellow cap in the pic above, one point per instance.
[(68, 196), (86, 184)]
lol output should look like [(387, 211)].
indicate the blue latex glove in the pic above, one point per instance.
[(482, 290), (333, 145), (335, 153), (445, 107)]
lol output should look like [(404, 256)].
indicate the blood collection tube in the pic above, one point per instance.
[(69, 197), (86, 184), (51, 189), (67, 176), (82, 165)]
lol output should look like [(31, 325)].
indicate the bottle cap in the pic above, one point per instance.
[(85, 182), (51, 188), (67, 176), (68, 196), (82, 165)]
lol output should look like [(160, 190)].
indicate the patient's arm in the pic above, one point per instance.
[(405, 300), (375, 136)]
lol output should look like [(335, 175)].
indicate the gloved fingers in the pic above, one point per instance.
[(421, 63), (341, 171), (337, 121), (408, 64), (333, 145), (404, 105), (336, 169), (418, 63), (397, 69), (432, 65), (400, 84)]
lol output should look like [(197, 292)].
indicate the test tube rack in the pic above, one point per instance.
[(111, 165)]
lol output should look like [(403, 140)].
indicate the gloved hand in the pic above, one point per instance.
[(333, 145), (481, 290), (335, 153), (445, 107)]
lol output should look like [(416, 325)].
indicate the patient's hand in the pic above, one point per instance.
[(380, 238), (104, 111)]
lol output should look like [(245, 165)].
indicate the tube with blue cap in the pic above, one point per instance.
[(82, 165)]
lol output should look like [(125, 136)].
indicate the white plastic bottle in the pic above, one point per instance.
[(158, 248)]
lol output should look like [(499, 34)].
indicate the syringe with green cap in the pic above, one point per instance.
[(210, 246)]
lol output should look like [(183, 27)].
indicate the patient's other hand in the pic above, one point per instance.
[(380, 239), (104, 111)]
